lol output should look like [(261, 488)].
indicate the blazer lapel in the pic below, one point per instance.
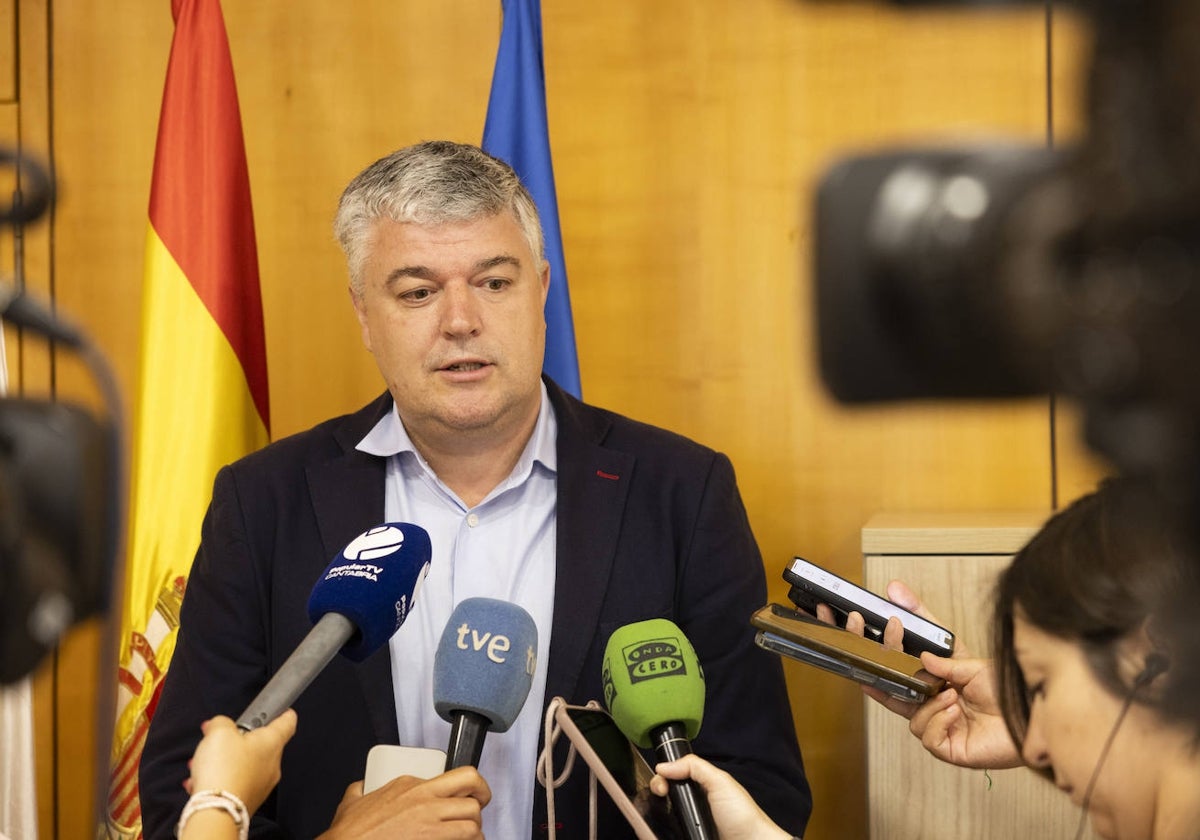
[(593, 485), (348, 497)]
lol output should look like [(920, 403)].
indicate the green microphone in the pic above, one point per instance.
[(654, 689)]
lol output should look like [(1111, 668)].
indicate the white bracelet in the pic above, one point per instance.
[(203, 799)]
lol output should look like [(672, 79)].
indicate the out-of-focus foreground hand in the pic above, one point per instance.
[(446, 807), (961, 725), (245, 764), (736, 815)]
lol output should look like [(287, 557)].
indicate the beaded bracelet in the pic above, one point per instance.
[(223, 799)]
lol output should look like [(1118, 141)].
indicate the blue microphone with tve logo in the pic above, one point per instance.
[(482, 672), (359, 603)]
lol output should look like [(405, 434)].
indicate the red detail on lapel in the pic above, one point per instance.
[(609, 476)]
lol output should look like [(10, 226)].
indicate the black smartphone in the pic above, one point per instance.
[(799, 636), (620, 768), (812, 585)]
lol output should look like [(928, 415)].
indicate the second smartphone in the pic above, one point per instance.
[(812, 585), (798, 635)]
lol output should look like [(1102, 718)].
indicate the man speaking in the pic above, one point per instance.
[(585, 519)]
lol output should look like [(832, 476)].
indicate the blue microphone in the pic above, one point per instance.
[(482, 672), (359, 603)]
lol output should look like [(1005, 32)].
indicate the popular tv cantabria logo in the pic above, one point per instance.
[(375, 543), (654, 658), (361, 570), (408, 603)]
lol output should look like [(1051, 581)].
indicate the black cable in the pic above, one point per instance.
[(1156, 663)]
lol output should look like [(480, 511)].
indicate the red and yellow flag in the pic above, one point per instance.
[(202, 398)]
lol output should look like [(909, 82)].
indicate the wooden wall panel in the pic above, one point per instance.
[(8, 54), (688, 136), (1077, 467), (8, 138), (325, 89), (31, 372)]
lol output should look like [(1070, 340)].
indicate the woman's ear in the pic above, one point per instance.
[(1146, 655), (1155, 664)]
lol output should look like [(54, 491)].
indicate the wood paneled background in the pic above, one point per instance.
[(687, 138)]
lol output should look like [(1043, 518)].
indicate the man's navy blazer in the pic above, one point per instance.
[(649, 525)]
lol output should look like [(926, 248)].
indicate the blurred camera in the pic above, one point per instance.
[(56, 503), (915, 249), (1007, 270), (60, 493)]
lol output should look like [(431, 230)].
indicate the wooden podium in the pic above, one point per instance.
[(952, 561)]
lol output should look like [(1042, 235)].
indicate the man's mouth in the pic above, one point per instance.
[(464, 366)]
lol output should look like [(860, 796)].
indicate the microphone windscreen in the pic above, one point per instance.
[(374, 583), (485, 661), (652, 677)]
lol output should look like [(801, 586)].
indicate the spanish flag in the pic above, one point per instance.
[(202, 396)]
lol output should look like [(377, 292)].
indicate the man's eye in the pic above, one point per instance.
[(495, 284), (416, 295)]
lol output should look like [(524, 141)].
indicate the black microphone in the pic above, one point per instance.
[(359, 603), (35, 191), (654, 688), (20, 309), (482, 672), (34, 197)]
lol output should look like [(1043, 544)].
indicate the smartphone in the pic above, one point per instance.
[(620, 769), (799, 636), (812, 585), (387, 761)]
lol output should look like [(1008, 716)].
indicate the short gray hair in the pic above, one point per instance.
[(431, 183)]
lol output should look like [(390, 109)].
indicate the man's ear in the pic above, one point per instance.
[(360, 311)]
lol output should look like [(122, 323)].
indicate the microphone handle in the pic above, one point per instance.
[(20, 309), (326, 638), (466, 739), (688, 799)]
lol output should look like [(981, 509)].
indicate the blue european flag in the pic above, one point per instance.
[(516, 131)]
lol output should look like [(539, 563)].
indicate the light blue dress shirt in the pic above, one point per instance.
[(503, 548)]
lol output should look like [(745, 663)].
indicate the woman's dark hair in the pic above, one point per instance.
[(1094, 574)]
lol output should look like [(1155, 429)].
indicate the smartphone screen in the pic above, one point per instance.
[(812, 584)]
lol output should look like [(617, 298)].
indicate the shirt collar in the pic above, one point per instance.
[(389, 437)]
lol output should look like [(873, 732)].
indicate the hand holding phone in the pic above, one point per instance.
[(813, 585)]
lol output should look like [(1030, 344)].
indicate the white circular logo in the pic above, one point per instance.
[(375, 543)]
